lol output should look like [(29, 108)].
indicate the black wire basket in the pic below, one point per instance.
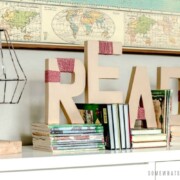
[(12, 76)]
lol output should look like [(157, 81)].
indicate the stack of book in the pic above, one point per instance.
[(175, 135), (59, 137), (148, 137), (115, 120)]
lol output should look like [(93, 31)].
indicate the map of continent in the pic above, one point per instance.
[(78, 25), (22, 23), (18, 19), (150, 30), (142, 25)]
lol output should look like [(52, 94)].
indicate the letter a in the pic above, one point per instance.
[(139, 86)]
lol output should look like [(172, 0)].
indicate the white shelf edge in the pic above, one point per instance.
[(31, 159)]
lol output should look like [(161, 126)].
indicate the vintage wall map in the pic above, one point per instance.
[(143, 24)]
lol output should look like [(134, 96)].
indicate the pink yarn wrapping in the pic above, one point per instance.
[(141, 113), (105, 47), (52, 76), (66, 64)]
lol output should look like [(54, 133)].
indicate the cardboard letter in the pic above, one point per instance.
[(96, 72), (56, 93), (164, 75), (139, 86)]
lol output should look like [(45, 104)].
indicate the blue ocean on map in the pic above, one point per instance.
[(154, 5)]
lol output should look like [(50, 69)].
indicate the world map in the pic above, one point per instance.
[(142, 24), (78, 25)]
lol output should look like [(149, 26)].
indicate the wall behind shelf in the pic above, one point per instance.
[(15, 120)]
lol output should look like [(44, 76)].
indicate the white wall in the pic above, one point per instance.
[(15, 120)]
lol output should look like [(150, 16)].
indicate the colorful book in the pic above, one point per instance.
[(66, 126), (66, 143), (100, 114), (127, 126), (160, 102), (65, 130), (88, 147), (57, 137), (73, 137), (94, 116)]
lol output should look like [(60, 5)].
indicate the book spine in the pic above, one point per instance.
[(77, 128), (76, 132), (122, 126), (111, 127), (116, 126), (127, 126), (103, 109)]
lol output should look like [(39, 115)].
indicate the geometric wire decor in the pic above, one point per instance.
[(12, 76)]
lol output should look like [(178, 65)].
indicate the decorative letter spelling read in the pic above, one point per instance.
[(139, 86), (56, 93), (94, 72)]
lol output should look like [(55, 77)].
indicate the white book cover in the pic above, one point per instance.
[(127, 126), (122, 126), (116, 126), (110, 124)]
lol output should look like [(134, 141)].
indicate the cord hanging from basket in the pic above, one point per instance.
[(12, 76)]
